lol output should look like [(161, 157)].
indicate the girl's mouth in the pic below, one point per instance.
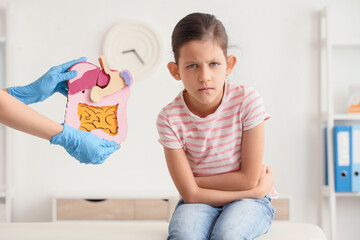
[(205, 89)]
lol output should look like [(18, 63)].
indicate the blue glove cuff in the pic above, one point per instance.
[(24, 94), (63, 137)]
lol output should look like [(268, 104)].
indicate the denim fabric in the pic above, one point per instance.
[(241, 219)]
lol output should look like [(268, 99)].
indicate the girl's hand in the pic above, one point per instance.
[(266, 181)]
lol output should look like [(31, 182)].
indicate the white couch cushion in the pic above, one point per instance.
[(134, 230)]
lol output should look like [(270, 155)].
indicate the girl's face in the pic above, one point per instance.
[(202, 67)]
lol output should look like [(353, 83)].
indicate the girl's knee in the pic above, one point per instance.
[(238, 230), (186, 234), (230, 235)]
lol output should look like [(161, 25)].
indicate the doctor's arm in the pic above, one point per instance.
[(17, 115), (252, 150), (185, 183)]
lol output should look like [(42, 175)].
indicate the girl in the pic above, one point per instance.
[(213, 138)]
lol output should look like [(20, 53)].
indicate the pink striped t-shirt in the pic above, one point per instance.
[(212, 144)]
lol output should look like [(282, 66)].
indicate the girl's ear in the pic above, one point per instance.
[(230, 64), (174, 70)]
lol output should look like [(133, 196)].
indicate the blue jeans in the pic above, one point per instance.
[(241, 219)]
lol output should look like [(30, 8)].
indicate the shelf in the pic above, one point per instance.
[(326, 193), (345, 44), (347, 116), (347, 194), (324, 43), (343, 116), (339, 58), (2, 191)]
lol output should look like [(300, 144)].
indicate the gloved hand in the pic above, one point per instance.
[(55, 80), (84, 146)]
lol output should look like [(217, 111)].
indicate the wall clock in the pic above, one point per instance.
[(133, 45)]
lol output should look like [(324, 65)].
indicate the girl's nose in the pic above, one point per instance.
[(204, 74)]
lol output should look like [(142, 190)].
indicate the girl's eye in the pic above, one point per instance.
[(214, 64), (191, 66)]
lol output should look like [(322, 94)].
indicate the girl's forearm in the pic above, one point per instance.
[(233, 181), (185, 183), (17, 115), (218, 198)]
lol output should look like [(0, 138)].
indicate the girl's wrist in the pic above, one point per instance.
[(258, 191)]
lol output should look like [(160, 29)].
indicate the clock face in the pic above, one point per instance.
[(135, 46)]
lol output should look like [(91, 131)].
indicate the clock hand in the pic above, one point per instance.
[(127, 51), (136, 54), (139, 57)]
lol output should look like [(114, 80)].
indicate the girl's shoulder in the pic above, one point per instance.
[(237, 88), (174, 106)]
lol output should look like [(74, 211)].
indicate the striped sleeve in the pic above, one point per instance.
[(252, 109), (167, 137)]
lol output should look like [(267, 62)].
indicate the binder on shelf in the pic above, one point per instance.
[(325, 149), (355, 163), (342, 158)]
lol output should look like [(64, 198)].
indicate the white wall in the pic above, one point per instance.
[(2, 85), (278, 55)]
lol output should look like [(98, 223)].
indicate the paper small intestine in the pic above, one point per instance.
[(104, 118), (105, 114)]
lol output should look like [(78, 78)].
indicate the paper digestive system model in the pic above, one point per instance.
[(97, 100)]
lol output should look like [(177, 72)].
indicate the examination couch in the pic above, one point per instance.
[(133, 219)]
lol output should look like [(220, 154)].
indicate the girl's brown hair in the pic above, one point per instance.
[(198, 26)]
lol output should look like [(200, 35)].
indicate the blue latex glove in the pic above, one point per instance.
[(84, 146), (55, 80)]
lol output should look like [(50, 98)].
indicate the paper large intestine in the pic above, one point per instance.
[(97, 100)]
